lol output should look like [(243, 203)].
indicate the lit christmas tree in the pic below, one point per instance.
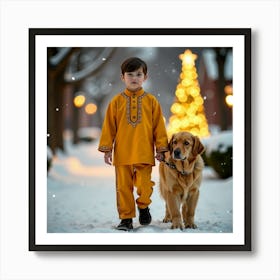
[(188, 110)]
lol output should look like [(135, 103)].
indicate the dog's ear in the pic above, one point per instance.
[(170, 146), (198, 148)]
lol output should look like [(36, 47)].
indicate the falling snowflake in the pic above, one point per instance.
[(73, 78), (57, 109)]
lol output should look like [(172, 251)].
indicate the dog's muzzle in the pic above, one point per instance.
[(177, 154)]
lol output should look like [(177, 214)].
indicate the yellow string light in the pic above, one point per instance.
[(91, 108), (79, 100)]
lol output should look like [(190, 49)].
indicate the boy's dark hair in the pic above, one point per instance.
[(133, 63)]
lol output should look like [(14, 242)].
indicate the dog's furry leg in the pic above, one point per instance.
[(174, 206), (167, 217), (188, 209)]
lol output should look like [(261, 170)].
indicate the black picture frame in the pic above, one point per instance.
[(34, 145)]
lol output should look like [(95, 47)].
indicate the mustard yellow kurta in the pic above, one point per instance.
[(133, 127)]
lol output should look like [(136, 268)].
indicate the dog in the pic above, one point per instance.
[(180, 178)]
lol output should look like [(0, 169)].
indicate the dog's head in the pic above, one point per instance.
[(184, 145)]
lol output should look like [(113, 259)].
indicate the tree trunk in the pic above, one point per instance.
[(51, 140), (58, 112), (55, 97), (76, 119), (220, 58)]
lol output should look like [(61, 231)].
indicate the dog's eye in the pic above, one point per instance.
[(174, 142), (186, 143)]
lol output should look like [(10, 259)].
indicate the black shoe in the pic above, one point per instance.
[(144, 216), (126, 225)]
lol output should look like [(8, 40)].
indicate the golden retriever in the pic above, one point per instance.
[(180, 179)]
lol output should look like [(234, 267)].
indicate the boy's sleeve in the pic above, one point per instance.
[(109, 129), (160, 135)]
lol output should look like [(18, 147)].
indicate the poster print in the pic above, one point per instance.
[(74, 74)]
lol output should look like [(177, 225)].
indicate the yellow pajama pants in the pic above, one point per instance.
[(128, 176)]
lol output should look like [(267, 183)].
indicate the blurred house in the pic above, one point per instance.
[(208, 78)]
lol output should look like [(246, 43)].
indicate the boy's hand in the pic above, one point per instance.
[(160, 156), (108, 158)]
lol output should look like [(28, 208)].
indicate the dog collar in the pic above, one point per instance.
[(173, 166)]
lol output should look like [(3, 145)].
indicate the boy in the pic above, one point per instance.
[(133, 125)]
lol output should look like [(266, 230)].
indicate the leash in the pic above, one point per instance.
[(173, 166)]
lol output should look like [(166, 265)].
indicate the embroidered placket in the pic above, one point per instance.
[(133, 108)]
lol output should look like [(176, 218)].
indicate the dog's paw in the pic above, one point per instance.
[(177, 226), (191, 225), (176, 223), (180, 226), (166, 220)]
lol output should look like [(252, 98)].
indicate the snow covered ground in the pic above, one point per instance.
[(81, 197)]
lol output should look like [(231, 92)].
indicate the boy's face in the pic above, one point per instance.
[(134, 80)]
